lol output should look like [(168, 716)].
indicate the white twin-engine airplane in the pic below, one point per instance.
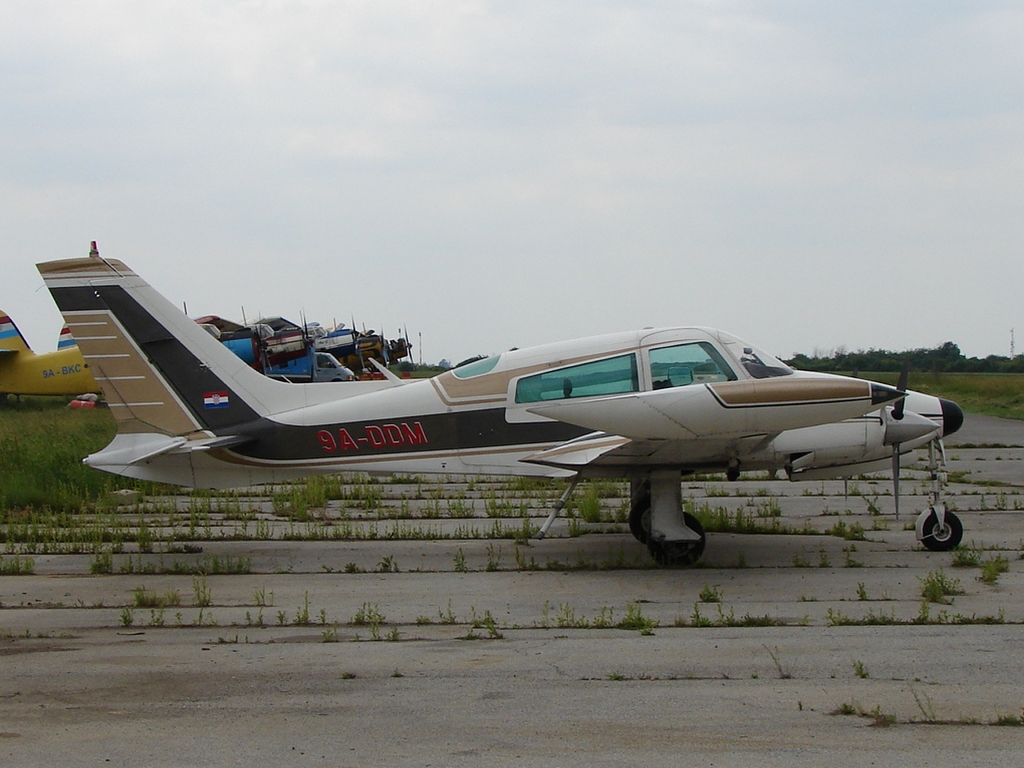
[(650, 406)]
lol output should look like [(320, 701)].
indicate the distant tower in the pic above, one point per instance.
[(1012, 351)]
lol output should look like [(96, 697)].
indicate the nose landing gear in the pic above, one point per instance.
[(937, 528)]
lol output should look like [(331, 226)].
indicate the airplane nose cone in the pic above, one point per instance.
[(952, 417)]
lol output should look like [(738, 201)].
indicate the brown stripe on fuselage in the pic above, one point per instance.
[(785, 391)]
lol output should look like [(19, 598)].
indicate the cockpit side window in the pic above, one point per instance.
[(757, 363), (612, 376), (684, 364), (762, 366)]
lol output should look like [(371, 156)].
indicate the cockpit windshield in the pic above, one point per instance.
[(757, 363)]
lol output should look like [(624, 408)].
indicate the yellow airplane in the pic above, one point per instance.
[(23, 372)]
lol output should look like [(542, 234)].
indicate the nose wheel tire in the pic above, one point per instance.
[(942, 538), (679, 552)]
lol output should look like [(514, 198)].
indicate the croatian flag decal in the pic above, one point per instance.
[(215, 400)]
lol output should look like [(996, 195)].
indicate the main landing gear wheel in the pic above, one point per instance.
[(679, 552), (640, 512), (942, 538), (640, 521)]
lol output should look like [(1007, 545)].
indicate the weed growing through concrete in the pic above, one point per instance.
[(493, 557), (446, 616), (590, 505), (17, 566), (783, 672), (966, 557), (992, 568), (709, 594), (635, 619), (924, 703), (370, 616), (696, 618), (853, 532), (936, 587), (302, 614), (1009, 720), (143, 599), (486, 622), (330, 635), (201, 591)]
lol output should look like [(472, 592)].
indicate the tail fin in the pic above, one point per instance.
[(182, 400), (159, 371), (11, 339), (66, 339)]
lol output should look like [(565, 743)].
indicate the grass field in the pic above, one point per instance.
[(990, 394), (42, 444)]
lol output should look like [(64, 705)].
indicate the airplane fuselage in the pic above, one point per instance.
[(649, 405)]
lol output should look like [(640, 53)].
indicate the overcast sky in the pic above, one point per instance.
[(806, 175)]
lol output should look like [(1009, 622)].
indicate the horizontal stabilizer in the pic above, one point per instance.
[(134, 448), (128, 449)]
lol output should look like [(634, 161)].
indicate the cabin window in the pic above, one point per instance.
[(684, 364), (612, 376), (476, 368)]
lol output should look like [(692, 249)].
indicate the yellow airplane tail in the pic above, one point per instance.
[(11, 339)]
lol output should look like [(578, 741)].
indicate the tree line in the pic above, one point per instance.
[(945, 358)]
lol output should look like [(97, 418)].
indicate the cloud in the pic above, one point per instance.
[(806, 174)]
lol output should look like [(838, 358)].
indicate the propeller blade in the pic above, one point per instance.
[(901, 385), (896, 477)]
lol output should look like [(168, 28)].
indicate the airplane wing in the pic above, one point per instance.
[(600, 449)]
